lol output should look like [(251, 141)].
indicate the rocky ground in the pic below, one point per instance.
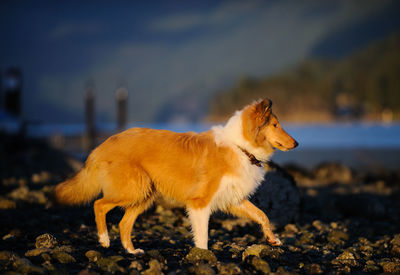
[(331, 220)]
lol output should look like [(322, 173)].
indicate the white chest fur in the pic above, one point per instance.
[(233, 189)]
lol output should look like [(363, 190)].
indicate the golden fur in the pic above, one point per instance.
[(205, 171)]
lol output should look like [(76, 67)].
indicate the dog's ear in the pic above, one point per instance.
[(264, 107)]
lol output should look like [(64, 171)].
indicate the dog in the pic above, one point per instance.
[(213, 170)]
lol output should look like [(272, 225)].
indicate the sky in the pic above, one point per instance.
[(170, 52)]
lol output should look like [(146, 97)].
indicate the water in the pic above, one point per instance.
[(360, 145), (339, 135)]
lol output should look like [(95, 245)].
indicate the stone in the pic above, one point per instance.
[(87, 272), (136, 265), (155, 268), (25, 266), (7, 256), (93, 255), (260, 265), (36, 252), (395, 240), (254, 250), (391, 267), (333, 173), (318, 225), (20, 193), (46, 241), (63, 257), (278, 196), (313, 269), (346, 258), (338, 237), (197, 255), (291, 228), (202, 269), (7, 204), (229, 269), (110, 264)]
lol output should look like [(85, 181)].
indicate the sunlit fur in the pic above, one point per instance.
[(206, 171)]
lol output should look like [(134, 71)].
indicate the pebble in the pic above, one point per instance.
[(259, 264), (63, 257), (346, 258), (255, 250), (7, 204), (36, 252), (197, 255), (155, 268), (46, 241), (202, 269), (391, 267), (229, 269)]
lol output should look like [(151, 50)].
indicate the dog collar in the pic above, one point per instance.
[(252, 158)]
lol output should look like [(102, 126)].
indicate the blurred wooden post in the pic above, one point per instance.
[(1, 92), (90, 141), (12, 91), (122, 95)]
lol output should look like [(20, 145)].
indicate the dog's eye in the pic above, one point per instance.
[(275, 125)]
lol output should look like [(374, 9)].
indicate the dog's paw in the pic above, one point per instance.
[(136, 251), (275, 242), (104, 240)]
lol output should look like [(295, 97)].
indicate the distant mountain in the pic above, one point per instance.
[(363, 85)]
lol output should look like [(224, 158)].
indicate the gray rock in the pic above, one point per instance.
[(25, 266), (46, 241), (155, 268), (7, 204), (63, 257), (24, 194), (338, 237), (391, 267), (346, 258), (229, 269), (333, 173), (110, 264), (258, 264), (197, 255), (93, 255), (313, 269), (202, 269), (278, 196), (7, 256), (254, 250), (36, 252), (136, 265)]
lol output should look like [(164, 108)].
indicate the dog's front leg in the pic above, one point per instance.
[(199, 218), (248, 210)]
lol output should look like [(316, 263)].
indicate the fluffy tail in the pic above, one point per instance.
[(80, 189)]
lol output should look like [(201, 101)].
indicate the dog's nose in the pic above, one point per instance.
[(295, 144)]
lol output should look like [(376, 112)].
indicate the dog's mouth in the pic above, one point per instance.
[(280, 146)]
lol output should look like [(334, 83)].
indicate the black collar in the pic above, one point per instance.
[(252, 158)]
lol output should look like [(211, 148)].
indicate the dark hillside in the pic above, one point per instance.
[(364, 85)]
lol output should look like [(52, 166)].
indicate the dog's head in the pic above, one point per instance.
[(261, 127)]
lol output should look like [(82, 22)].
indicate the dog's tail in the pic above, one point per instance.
[(80, 189)]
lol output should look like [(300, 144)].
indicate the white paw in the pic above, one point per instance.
[(104, 240), (278, 241), (137, 251), (275, 242)]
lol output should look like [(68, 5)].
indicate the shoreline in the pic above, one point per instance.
[(356, 158)]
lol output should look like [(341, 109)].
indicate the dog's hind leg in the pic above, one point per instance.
[(248, 210), (126, 225), (199, 218), (101, 208)]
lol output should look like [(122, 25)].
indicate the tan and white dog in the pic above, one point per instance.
[(213, 170)]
